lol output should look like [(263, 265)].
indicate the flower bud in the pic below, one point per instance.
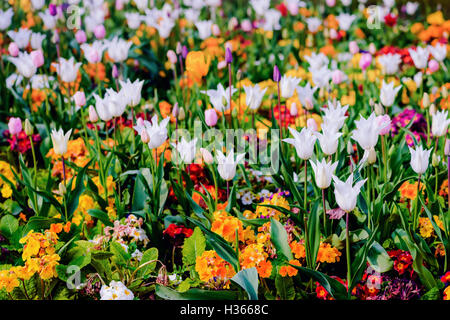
[(14, 126), (365, 61), (145, 137), (432, 109), (175, 110), (447, 148), (79, 98), (172, 56), (228, 56), (350, 148), (444, 92), (234, 112), (207, 156), (13, 49), (80, 36), (239, 75), (52, 9), (178, 49), (426, 100), (379, 110), (372, 156), (312, 124), (181, 114), (28, 127), (184, 52), (353, 47), (337, 76), (433, 65), (93, 117), (435, 160), (211, 117), (276, 74), (115, 72), (62, 188), (294, 110), (99, 31), (37, 57)]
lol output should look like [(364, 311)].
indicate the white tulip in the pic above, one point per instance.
[(420, 57), (323, 171), (440, 123), (367, 132), (60, 140), (419, 159), (288, 85), (346, 194), (186, 149), (132, 91), (388, 93), (303, 142), (227, 165), (253, 96)]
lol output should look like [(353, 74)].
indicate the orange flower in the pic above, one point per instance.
[(327, 253), (298, 249), (197, 65), (289, 270), (409, 190)]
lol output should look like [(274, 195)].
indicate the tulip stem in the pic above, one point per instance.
[(416, 207), (305, 188), (324, 213), (279, 110), (35, 167), (347, 250), (385, 164)]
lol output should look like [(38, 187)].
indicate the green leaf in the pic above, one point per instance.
[(279, 238), (193, 247), (38, 223), (232, 199), (8, 225), (146, 266), (100, 215), (248, 280), (120, 255), (285, 287), (194, 294), (379, 258)]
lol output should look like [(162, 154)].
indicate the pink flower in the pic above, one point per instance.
[(246, 25), (211, 117), (80, 36), (312, 124), (99, 32), (337, 76), (336, 213), (13, 49), (433, 65), (14, 126), (384, 122), (172, 56), (37, 57), (365, 61), (79, 98), (353, 47), (331, 3), (93, 117)]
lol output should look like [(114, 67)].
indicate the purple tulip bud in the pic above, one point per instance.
[(52, 9), (175, 110), (228, 55), (64, 7), (447, 147), (115, 72), (184, 52), (276, 74)]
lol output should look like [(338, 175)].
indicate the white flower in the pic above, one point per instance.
[(367, 131), (272, 20), (306, 95), (24, 64), (165, 27), (102, 108), (411, 7), (186, 149), (220, 98), (346, 194), (67, 69), (37, 4), (439, 51), (345, 20), (323, 171), (93, 52), (60, 140), (328, 139), (156, 132), (334, 116), (321, 77), (118, 49), (133, 20), (419, 159), (6, 18), (21, 37), (288, 85), (390, 63), (36, 40), (303, 142), (253, 96), (48, 19), (132, 91), (137, 254), (227, 165), (141, 4), (317, 60), (204, 29), (313, 24), (440, 123), (388, 93), (116, 101), (420, 57), (247, 199), (139, 234), (115, 291), (260, 6)]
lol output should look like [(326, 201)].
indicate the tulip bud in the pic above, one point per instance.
[(234, 113), (13, 49), (211, 117), (312, 124), (435, 160), (115, 72), (79, 98), (426, 100), (93, 117), (172, 56), (117, 168), (14, 126), (372, 48), (276, 74), (207, 156), (432, 109), (28, 127), (372, 156), (175, 110), (178, 49), (99, 31), (294, 110), (184, 52), (215, 30), (337, 76), (285, 33), (145, 137), (80, 36), (228, 56), (379, 110), (444, 92), (37, 57), (447, 148), (433, 65), (181, 114), (52, 9), (239, 75), (62, 188), (353, 47), (365, 61)]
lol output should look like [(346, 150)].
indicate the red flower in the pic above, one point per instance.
[(390, 20), (282, 8)]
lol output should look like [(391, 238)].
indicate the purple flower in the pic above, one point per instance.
[(276, 74), (228, 56)]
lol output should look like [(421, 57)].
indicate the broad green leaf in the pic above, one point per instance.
[(279, 238), (248, 280), (193, 247)]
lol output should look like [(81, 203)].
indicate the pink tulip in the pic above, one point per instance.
[(79, 98), (207, 156), (80, 36), (119, 5), (246, 25), (337, 76), (99, 32), (222, 64), (37, 57), (294, 110), (172, 56), (365, 61), (211, 117), (13, 49), (353, 47), (93, 117), (14, 126), (433, 65), (331, 3), (215, 30)]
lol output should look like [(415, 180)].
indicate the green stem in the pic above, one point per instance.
[(35, 168), (347, 250)]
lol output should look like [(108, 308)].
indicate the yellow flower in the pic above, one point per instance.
[(197, 65), (436, 18)]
